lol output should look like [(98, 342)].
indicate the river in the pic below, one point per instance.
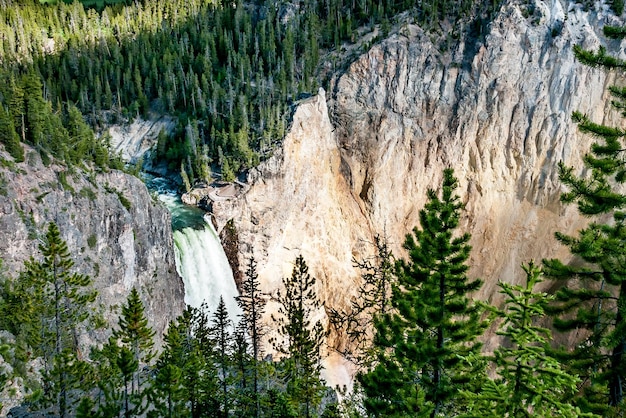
[(200, 258)]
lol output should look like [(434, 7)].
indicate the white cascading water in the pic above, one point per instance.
[(201, 262), (200, 258)]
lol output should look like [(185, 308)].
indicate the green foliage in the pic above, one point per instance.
[(185, 177), (9, 137), (169, 391), (92, 240), (4, 190), (252, 303), (31, 118), (235, 67), (598, 59), (45, 309), (617, 6), (133, 329), (301, 340), (530, 382), (129, 350), (433, 326), (62, 176), (123, 199), (88, 193), (593, 295), (221, 335)]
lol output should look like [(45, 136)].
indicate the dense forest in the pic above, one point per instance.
[(424, 359), (230, 73)]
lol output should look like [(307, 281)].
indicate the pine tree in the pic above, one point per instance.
[(49, 305), (71, 299), (433, 325), (17, 107), (133, 335), (242, 367), (221, 337), (530, 382), (302, 339), (186, 347), (374, 298), (9, 137), (128, 365), (252, 305), (593, 297), (168, 392)]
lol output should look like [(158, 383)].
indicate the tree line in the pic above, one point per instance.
[(228, 70), (208, 366), (57, 132)]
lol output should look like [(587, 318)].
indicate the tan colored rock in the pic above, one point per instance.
[(404, 111)]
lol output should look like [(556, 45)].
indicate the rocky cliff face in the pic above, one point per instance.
[(115, 231), (501, 119), (401, 113)]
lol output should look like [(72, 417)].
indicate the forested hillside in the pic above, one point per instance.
[(229, 71)]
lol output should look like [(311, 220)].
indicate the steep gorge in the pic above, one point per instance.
[(359, 159)]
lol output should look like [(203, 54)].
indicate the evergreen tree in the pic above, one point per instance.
[(9, 137), (275, 404), (81, 146), (530, 381), (593, 297), (128, 365), (133, 336), (252, 304), (221, 337), (433, 325), (168, 392), (45, 310), (193, 393), (69, 303), (301, 340), (243, 367)]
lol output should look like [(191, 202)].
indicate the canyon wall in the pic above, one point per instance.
[(116, 232), (359, 159)]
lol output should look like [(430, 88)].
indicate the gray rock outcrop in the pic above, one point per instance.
[(116, 232), (404, 111)]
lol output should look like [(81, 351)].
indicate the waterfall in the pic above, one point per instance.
[(200, 258), (201, 262)]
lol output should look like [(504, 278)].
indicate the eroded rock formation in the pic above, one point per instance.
[(116, 233), (497, 111)]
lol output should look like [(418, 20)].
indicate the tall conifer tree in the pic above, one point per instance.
[(9, 137), (301, 340), (133, 336), (433, 325), (593, 297), (221, 334), (530, 381), (252, 304), (55, 305)]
